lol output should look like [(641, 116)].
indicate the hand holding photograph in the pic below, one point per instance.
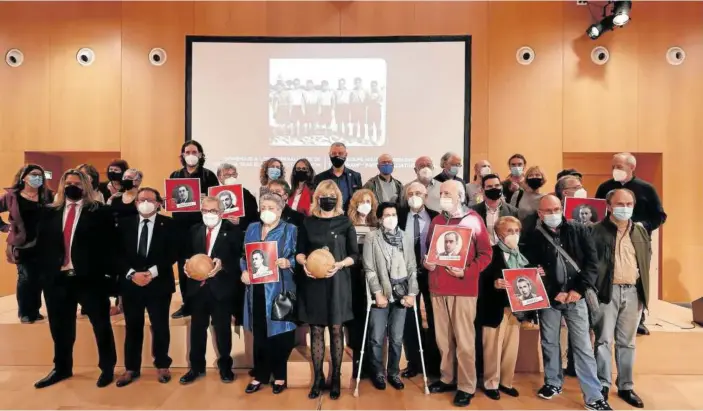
[(526, 291)]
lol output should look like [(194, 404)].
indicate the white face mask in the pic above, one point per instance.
[(447, 204), (230, 181), (415, 202), (390, 223), (485, 170), (580, 193), (211, 220), (364, 208), (191, 160), (268, 217), (619, 175), (145, 208), (512, 240), (425, 174)]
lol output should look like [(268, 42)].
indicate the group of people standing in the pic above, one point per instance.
[(378, 234)]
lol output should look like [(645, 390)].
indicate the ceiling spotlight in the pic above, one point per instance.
[(596, 30), (621, 12)]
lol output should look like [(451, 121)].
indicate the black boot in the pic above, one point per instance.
[(317, 386), (336, 388)]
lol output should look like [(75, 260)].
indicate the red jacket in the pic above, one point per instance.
[(305, 200), (480, 255)]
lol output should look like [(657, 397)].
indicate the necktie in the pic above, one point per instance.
[(416, 233), (67, 231), (207, 240), (143, 240)]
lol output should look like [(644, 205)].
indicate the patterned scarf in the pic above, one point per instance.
[(394, 238), (515, 259)]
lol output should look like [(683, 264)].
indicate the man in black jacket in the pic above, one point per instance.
[(648, 210), (414, 219), (347, 179), (568, 275), (493, 206), (227, 174), (212, 299), (75, 239), (148, 248)]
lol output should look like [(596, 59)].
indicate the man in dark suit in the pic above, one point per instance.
[(414, 219), (227, 175), (347, 179), (75, 240), (288, 215), (492, 208), (212, 299), (148, 248)]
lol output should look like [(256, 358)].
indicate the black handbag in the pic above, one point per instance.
[(284, 304)]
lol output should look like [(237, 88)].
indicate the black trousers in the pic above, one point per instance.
[(63, 294), (429, 342), (204, 308), (29, 289), (134, 303), (355, 327), (183, 282), (270, 353)]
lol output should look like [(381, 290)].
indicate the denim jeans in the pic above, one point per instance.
[(392, 316), (618, 320), (576, 316)]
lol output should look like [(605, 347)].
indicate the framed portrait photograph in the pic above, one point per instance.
[(585, 210), (525, 290), (449, 246), (231, 198), (261, 262), (183, 194)]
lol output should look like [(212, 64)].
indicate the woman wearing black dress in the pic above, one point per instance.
[(327, 302), (122, 204)]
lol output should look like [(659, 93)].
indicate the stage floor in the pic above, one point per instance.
[(664, 392)]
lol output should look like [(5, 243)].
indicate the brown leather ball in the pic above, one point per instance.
[(319, 262), (199, 266)]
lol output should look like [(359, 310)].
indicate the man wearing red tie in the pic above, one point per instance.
[(73, 240), (212, 298)]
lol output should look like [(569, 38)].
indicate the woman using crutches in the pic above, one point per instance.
[(389, 263)]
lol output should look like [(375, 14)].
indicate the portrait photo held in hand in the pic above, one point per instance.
[(231, 198), (449, 246), (526, 290), (184, 194), (261, 260), (585, 210)]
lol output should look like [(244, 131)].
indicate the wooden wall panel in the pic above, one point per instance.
[(285, 18), (670, 108), (239, 18), (600, 102), (525, 102), (153, 102), (85, 101), (391, 18), (24, 91)]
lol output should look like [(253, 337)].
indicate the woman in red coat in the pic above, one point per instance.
[(301, 184)]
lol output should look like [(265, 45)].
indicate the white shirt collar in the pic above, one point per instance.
[(78, 203), (152, 219)]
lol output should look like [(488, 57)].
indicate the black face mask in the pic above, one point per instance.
[(328, 203), (73, 193), (114, 176), (534, 183), (127, 184), (300, 175), (493, 193), (337, 161)]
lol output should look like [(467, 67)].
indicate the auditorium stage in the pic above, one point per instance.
[(669, 373)]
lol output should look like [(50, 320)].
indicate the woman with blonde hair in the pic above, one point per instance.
[(327, 302), (527, 199), (362, 213)]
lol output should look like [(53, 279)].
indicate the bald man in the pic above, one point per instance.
[(384, 186), (566, 281), (648, 210), (474, 190), (424, 170)]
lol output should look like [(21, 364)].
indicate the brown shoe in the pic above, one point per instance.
[(164, 375), (127, 378)]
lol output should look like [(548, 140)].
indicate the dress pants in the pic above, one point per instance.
[(63, 294), (500, 349), (157, 305), (270, 353), (429, 342), (28, 289), (205, 307), (454, 318)]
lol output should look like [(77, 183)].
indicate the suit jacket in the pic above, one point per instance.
[(91, 248), (228, 248), (251, 210), (353, 181), (504, 210), (403, 217), (291, 216), (163, 253)]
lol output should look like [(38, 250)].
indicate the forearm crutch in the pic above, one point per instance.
[(419, 342), (369, 303)]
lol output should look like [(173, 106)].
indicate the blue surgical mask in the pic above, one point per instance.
[(622, 213), (454, 170), (35, 181), (552, 220), (516, 171), (386, 169), (273, 173)]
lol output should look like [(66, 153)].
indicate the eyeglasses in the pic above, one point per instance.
[(304, 170), (212, 212)]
